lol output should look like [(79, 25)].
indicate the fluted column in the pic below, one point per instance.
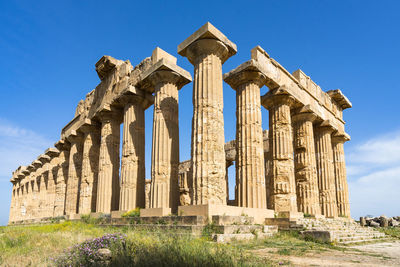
[(207, 49), (165, 148), (133, 156), (61, 177), (74, 174), (305, 164), (250, 172), (342, 190), (108, 182), (283, 186), (12, 204), (325, 170), (90, 168)]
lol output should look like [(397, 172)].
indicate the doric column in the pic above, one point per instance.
[(133, 156), (207, 49), (61, 177), (90, 167), (74, 173), (283, 186), (305, 163), (325, 169), (342, 190), (52, 153), (165, 78), (108, 182), (13, 202), (247, 79), (36, 188), (44, 186)]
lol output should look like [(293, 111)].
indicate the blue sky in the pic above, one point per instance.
[(49, 48)]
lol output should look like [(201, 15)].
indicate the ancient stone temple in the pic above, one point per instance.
[(296, 167)]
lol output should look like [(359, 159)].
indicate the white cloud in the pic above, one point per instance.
[(373, 170), (18, 146)]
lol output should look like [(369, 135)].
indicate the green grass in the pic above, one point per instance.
[(391, 231), (35, 245)]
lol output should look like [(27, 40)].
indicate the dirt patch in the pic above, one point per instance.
[(378, 254)]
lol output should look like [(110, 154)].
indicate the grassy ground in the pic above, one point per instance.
[(391, 231)]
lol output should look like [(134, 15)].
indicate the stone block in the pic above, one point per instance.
[(158, 54), (154, 212)]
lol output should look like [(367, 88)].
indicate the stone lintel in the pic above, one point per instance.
[(163, 64), (340, 98), (207, 31), (52, 152), (248, 71), (44, 158), (62, 145)]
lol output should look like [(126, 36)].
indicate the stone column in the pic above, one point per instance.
[(108, 183), (283, 186), (133, 156), (61, 177), (90, 167), (53, 154), (37, 181), (247, 80), (12, 204), (207, 49), (305, 163), (342, 190), (74, 173), (325, 169)]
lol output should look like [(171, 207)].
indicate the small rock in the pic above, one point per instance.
[(105, 254), (374, 224)]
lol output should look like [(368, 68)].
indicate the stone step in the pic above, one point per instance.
[(365, 240), (232, 220), (226, 238), (173, 220)]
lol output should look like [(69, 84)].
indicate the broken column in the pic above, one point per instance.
[(342, 190), (247, 79), (108, 182), (165, 78), (283, 186), (90, 167), (207, 49), (74, 173), (305, 163), (325, 169)]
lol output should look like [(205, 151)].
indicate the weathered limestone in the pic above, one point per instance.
[(325, 169), (247, 80), (165, 79), (90, 167), (207, 49), (305, 162), (342, 191), (74, 173), (108, 188), (133, 156), (61, 171), (295, 167), (283, 186)]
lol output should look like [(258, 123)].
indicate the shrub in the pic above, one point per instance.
[(132, 213)]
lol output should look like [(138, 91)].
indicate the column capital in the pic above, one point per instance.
[(303, 114), (109, 113), (44, 159), (326, 127), (248, 72), (276, 97), (62, 145), (340, 138), (205, 41), (37, 164), (75, 137), (164, 71), (52, 152), (89, 126)]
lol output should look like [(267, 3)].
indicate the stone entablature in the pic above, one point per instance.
[(295, 167)]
